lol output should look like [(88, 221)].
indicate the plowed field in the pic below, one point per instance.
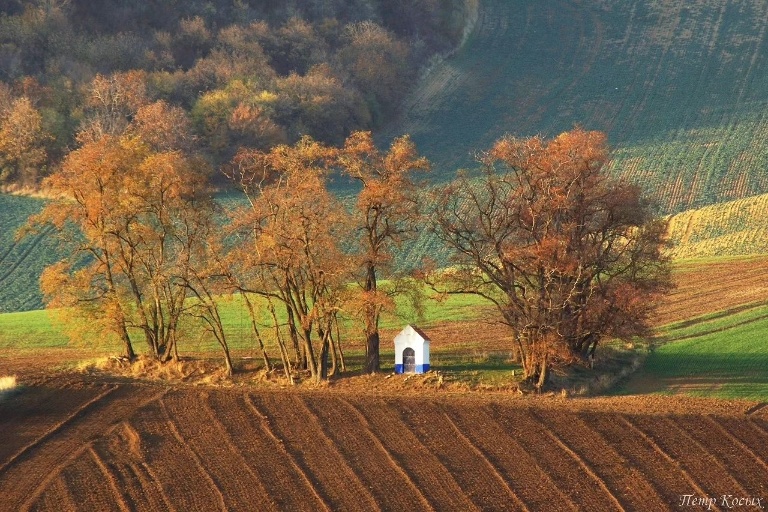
[(70, 444)]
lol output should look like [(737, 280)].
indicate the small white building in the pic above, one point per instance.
[(411, 351)]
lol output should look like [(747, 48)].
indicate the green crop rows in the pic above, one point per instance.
[(22, 262), (680, 87)]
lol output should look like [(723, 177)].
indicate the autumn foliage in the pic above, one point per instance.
[(252, 74), (568, 255)]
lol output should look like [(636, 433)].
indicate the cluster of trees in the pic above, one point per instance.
[(249, 73), (569, 255)]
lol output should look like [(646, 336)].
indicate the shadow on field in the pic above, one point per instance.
[(726, 375)]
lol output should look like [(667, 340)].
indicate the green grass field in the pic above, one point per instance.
[(42, 329), (723, 355)]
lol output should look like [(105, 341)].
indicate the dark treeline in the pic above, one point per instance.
[(252, 74)]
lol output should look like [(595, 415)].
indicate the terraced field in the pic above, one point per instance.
[(680, 87), (75, 445)]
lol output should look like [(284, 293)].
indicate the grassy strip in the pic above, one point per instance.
[(40, 329), (720, 355), (712, 323)]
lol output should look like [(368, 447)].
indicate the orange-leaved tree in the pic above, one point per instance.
[(290, 249), (568, 254), (23, 142), (141, 208), (386, 214)]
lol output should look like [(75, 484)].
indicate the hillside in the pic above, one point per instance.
[(679, 86), (732, 228), (22, 262)]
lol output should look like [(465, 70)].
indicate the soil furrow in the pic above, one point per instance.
[(479, 481), (694, 485), (534, 485), (28, 475), (744, 435), (41, 410), (689, 455), (587, 470), (397, 467), (330, 472), (629, 485), (213, 483), (171, 464), (355, 443), (84, 478), (203, 430), (80, 410), (519, 503), (122, 453), (112, 481), (751, 436), (57, 497), (434, 480), (254, 493), (561, 466), (722, 446), (290, 480)]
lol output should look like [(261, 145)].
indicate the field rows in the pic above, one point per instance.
[(679, 86), (140, 448), (722, 286), (733, 228)]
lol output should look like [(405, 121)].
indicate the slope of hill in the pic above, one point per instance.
[(679, 86), (21, 262), (733, 228)]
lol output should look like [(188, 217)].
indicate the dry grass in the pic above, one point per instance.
[(198, 371)]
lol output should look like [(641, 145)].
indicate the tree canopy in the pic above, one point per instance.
[(249, 74), (568, 254)]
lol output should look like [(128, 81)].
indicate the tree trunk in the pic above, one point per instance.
[(310, 354), (252, 314), (323, 373), (543, 374), (372, 358), (126, 340), (337, 346), (372, 363), (281, 344), (301, 354)]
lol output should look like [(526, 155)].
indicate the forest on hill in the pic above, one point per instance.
[(248, 73)]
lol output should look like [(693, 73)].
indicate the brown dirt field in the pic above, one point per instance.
[(73, 443), (711, 287)]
